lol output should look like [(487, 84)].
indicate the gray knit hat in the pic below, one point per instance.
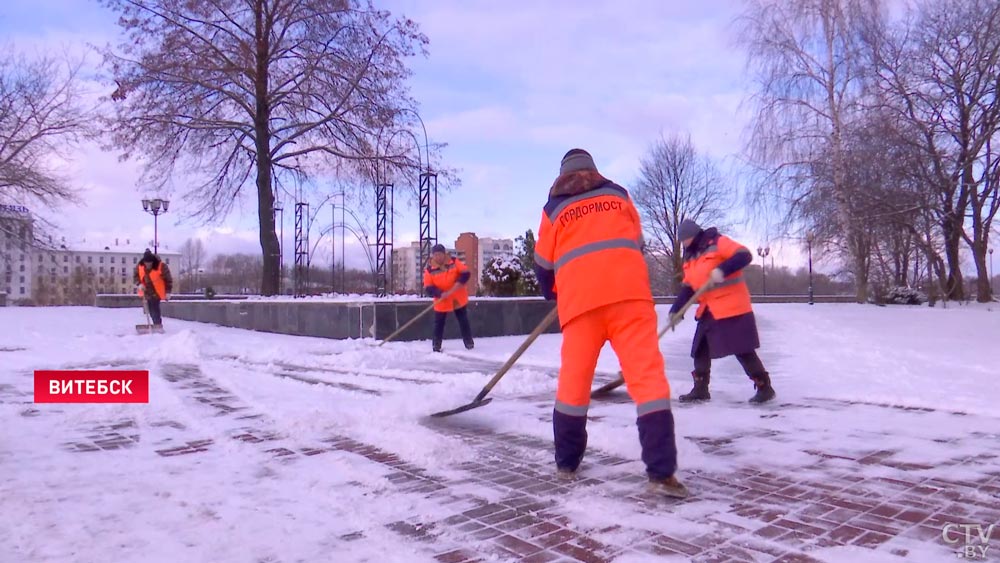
[(575, 160), (688, 229)]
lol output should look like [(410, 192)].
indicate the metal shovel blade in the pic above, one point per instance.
[(463, 408)]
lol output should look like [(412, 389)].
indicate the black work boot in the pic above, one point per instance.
[(669, 487), (762, 383), (469, 343), (437, 345), (700, 390)]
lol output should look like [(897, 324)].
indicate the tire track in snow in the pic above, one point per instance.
[(391, 374)]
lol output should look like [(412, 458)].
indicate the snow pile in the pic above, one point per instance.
[(180, 347)]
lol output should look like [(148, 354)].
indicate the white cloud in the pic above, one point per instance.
[(492, 122)]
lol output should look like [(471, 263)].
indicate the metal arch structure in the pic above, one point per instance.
[(362, 238), (391, 242), (428, 191), (301, 248), (381, 245), (361, 235), (428, 198)]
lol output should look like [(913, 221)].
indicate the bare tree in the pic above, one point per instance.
[(677, 183), (940, 70), (234, 273), (192, 259), (82, 286), (806, 58), (41, 115), (235, 92)]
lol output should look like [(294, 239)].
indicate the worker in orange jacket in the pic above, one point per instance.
[(444, 280), (589, 259), (726, 324), (155, 284)]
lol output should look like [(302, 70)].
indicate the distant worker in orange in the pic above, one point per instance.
[(726, 324), (444, 280), (155, 284), (589, 259)]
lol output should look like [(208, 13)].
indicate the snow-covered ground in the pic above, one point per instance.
[(228, 402), (358, 298)]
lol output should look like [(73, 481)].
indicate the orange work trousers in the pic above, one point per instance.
[(631, 326)]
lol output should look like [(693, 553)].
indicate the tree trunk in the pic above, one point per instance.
[(860, 269), (984, 292), (270, 248), (980, 241), (952, 234)]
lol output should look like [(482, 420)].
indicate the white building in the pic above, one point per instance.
[(57, 272), (405, 266), (107, 268)]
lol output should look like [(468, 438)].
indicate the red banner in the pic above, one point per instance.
[(95, 386)]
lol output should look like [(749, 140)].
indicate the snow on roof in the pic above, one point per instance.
[(109, 248)]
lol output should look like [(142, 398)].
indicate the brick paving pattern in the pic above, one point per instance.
[(772, 515)]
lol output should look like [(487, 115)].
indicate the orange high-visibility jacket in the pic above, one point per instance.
[(159, 278), (438, 280), (729, 298), (589, 248)]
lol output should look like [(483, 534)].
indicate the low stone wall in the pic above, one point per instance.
[(758, 299), (322, 319), (361, 319), (119, 301), (487, 317), (379, 319)]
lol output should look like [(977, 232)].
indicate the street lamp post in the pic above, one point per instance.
[(155, 207), (809, 240), (763, 253)]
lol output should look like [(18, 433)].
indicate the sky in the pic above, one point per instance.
[(510, 86)]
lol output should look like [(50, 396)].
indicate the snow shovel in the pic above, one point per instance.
[(674, 321), (148, 327), (407, 325), (480, 399)]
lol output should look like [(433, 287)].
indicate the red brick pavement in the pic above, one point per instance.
[(772, 515)]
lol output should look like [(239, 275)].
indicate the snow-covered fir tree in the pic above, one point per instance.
[(501, 277)]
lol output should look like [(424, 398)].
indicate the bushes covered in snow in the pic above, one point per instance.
[(502, 277), (511, 276), (902, 295)]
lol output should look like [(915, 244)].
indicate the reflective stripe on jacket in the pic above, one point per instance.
[(443, 278), (590, 242)]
